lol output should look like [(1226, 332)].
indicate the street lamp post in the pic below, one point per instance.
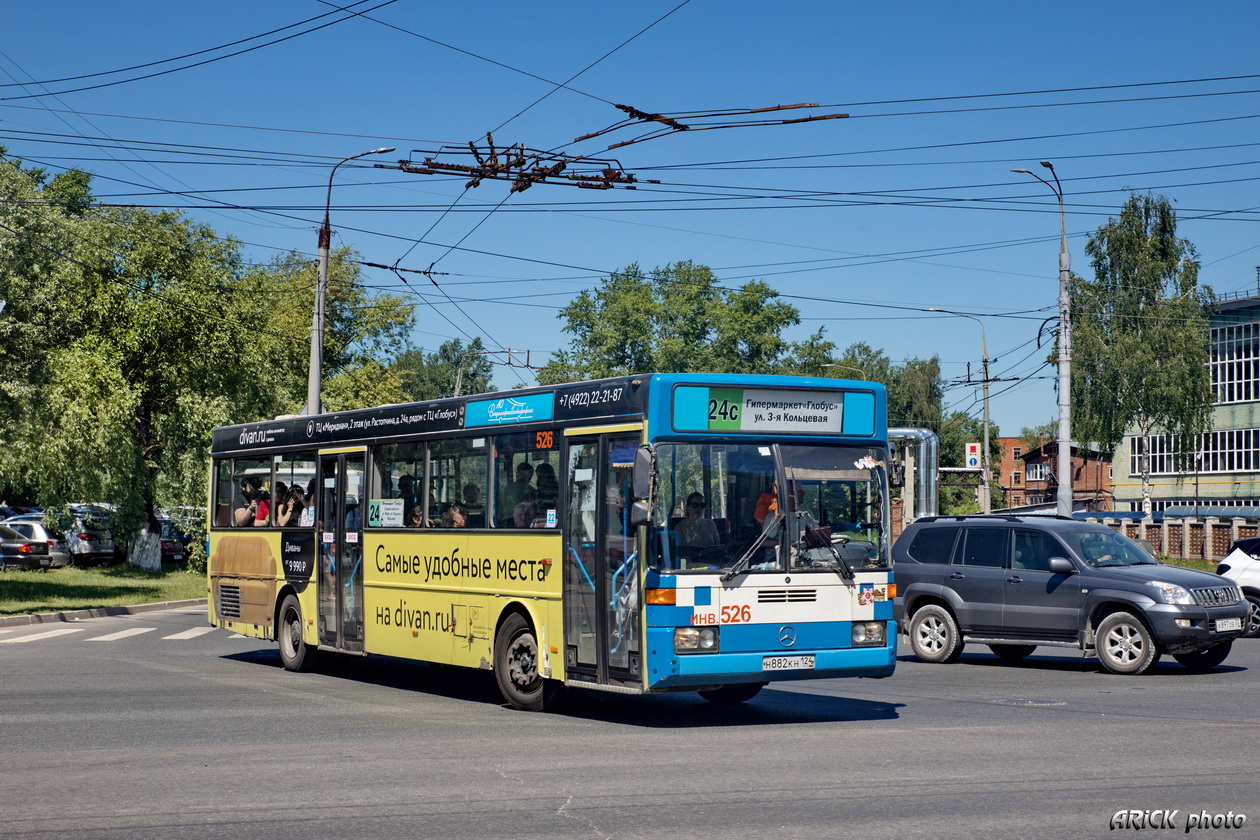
[(986, 504), (313, 403), (1064, 496)]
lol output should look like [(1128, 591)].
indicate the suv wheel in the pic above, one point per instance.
[(934, 635), (1205, 660), (1125, 645), (1253, 616)]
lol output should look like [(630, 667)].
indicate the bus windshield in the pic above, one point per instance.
[(770, 507)]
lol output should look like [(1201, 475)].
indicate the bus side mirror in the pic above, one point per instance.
[(897, 476), (641, 513), (641, 485), (644, 462)]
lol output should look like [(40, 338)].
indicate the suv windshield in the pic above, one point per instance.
[(1105, 547), (769, 507)]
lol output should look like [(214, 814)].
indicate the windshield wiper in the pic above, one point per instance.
[(757, 545), (841, 566)]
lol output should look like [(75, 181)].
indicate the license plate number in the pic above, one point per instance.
[(787, 663), (1228, 624)]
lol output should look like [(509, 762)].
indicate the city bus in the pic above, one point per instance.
[(643, 534)]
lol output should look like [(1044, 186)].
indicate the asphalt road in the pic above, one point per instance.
[(157, 726)]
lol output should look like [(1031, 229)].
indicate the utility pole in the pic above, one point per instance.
[(1064, 497), (315, 371)]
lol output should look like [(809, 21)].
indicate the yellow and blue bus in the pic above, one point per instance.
[(644, 534)]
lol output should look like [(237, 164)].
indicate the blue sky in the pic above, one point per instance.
[(906, 205)]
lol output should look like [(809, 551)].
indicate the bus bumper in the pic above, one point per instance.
[(668, 670)]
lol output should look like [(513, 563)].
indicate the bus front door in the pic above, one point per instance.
[(602, 563), (339, 521)]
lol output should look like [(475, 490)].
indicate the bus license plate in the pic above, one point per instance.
[(1228, 624), (787, 663)]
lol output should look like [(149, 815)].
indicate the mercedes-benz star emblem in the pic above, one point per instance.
[(787, 635)]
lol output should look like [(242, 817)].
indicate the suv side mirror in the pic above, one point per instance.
[(1061, 566)]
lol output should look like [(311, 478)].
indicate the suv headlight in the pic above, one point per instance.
[(1172, 593)]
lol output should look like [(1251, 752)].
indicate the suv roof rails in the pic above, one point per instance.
[(1004, 517)]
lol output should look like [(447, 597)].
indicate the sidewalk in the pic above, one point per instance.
[(98, 612)]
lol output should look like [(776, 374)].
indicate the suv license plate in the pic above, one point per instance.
[(1228, 624), (787, 663)]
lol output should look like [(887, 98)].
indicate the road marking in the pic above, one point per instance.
[(122, 634), (47, 634), (191, 633)]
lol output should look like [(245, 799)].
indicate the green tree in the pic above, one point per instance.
[(431, 376), (363, 331), (130, 334), (1140, 334), (678, 319), (1035, 436)]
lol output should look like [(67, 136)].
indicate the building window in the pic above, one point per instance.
[(1234, 359), (1016, 452), (1017, 478), (1222, 451), (1037, 472)]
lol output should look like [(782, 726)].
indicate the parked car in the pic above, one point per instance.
[(1242, 566), (33, 528), (88, 536), (1016, 583), (174, 542), (16, 551)]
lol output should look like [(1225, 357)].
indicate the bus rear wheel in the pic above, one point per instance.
[(516, 659), (294, 652), (729, 695)]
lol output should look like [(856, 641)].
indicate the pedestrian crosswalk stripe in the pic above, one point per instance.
[(47, 634), (122, 634), (191, 633)]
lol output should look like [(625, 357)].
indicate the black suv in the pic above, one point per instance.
[(1016, 583)]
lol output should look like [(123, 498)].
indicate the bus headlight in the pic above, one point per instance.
[(868, 633), (696, 640)]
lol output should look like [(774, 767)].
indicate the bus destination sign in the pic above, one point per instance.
[(781, 411)]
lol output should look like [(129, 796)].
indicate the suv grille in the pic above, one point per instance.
[(787, 596), (230, 601), (1216, 596)]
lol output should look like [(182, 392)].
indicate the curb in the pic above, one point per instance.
[(96, 612)]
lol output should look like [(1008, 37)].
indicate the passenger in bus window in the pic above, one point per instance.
[(548, 486), (245, 503), (415, 516), (695, 530), (289, 511), (407, 491), (524, 514), (519, 490), (454, 517), (473, 510)]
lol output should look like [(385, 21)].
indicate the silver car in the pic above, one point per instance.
[(33, 528), (88, 537)]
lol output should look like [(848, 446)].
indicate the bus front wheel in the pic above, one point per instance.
[(294, 653), (516, 659)]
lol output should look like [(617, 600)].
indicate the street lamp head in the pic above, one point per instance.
[(1048, 165), (1023, 171), (382, 150)]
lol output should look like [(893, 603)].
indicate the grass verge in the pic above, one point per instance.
[(73, 588)]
